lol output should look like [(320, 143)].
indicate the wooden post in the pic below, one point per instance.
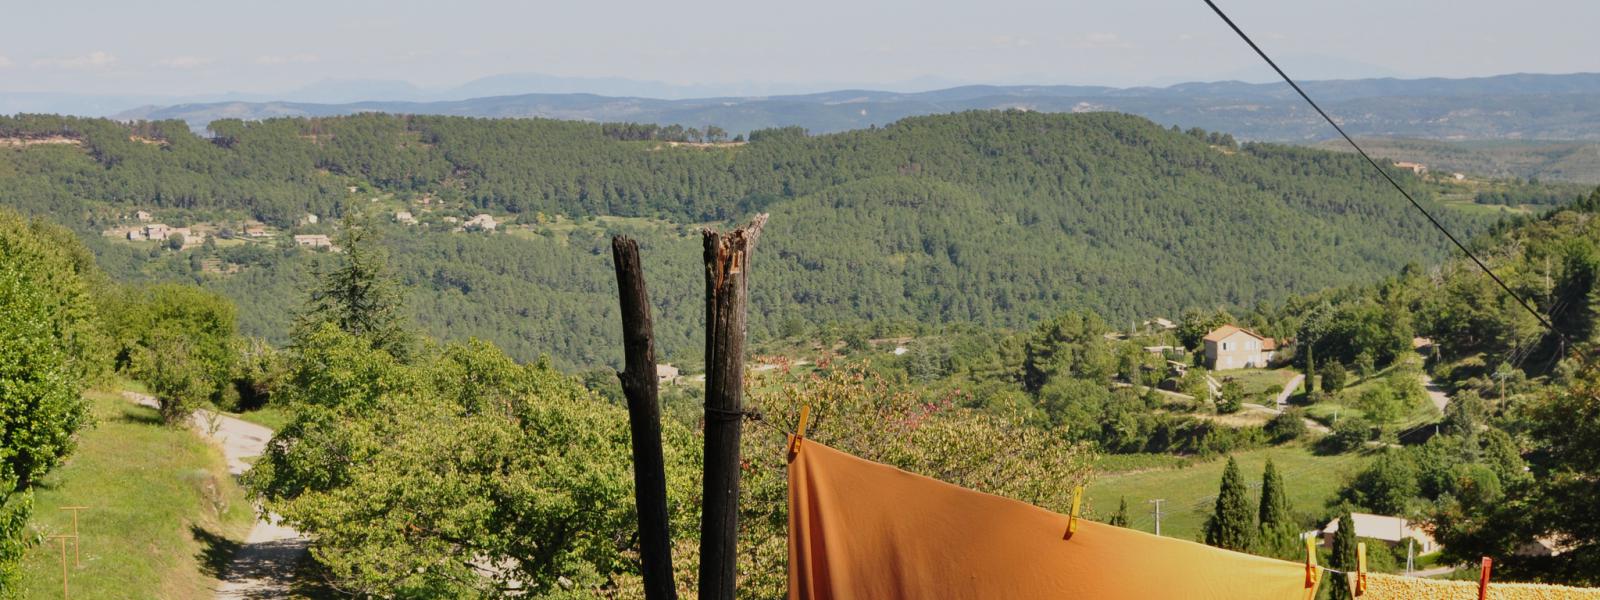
[(727, 258), (639, 384), (1483, 578), (77, 558)]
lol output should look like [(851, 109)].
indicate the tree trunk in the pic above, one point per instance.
[(727, 258), (644, 420)]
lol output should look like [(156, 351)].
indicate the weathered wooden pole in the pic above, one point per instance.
[(644, 420), (727, 259)]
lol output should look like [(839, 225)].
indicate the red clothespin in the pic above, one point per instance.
[(1077, 502), (1483, 579), (1361, 568)]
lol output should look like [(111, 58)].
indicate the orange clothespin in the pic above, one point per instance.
[(1483, 579), (800, 432), (1072, 519), (1361, 568), (1313, 572)]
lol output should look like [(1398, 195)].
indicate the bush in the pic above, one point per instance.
[(1350, 433), (1232, 398), (1333, 376), (1286, 426)]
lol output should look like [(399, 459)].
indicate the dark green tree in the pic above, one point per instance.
[(1344, 556), (1333, 376), (359, 295), (1231, 525), (1121, 518), (1276, 518)]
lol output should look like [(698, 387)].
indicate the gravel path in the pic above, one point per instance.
[(264, 565)]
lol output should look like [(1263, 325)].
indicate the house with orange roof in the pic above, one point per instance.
[(1233, 347)]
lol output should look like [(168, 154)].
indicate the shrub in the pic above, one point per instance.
[(1333, 376), (1349, 434), (1286, 426)]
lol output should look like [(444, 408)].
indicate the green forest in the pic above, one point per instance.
[(989, 218), (1015, 266)]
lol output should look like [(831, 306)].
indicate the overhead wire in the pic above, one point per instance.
[(1381, 171)]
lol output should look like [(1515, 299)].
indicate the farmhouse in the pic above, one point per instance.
[(1233, 347), (156, 231), (405, 217), (1391, 530), (142, 216), (255, 231), (666, 373), (481, 222), (1414, 167), (313, 241)]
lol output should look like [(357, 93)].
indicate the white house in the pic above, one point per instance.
[(405, 217), (142, 216), (666, 373), (1391, 530)]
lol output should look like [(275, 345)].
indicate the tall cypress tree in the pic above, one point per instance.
[(1275, 516), (1311, 370), (1231, 525), (1121, 518), (1344, 556)]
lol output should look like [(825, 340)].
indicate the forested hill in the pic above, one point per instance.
[(992, 217)]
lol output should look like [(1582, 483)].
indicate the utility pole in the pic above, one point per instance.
[(640, 385), (1411, 563), (727, 258), (1158, 502)]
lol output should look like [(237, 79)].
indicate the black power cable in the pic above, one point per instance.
[(1536, 314)]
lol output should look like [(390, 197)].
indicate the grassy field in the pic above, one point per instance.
[(1190, 490), (1258, 381), (162, 511)]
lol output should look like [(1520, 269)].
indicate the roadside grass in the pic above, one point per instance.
[(163, 513), (1190, 490), (271, 417), (1258, 381), (1127, 463)]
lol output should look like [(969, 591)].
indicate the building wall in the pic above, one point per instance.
[(1238, 351)]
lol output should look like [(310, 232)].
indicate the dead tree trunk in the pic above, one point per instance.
[(727, 258), (644, 420)]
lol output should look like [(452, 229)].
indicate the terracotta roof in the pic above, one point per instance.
[(1224, 331)]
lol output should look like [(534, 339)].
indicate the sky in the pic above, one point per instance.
[(189, 47)]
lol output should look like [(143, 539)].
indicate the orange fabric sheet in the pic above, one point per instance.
[(863, 530)]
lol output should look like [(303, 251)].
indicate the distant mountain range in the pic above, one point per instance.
[(1519, 106)]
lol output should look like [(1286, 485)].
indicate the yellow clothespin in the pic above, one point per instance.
[(1361, 568), (800, 432), (1077, 502), (1313, 572)]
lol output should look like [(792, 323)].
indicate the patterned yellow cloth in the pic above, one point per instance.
[(1395, 587)]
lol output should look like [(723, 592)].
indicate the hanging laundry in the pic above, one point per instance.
[(860, 530), (1396, 587)]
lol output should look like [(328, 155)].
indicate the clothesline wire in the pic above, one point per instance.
[(1381, 171)]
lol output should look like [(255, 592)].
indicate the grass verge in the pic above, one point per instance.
[(1190, 490), (163, 513)]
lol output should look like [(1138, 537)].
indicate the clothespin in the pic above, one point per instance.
[(1361, 568), (1313, 572), (1483, 579), (800, 432), (1077, 502)]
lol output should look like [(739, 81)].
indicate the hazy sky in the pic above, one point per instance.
[(212, 46)]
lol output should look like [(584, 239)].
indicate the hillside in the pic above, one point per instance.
[(1551, 160), (1519, 106), (998, 218)]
